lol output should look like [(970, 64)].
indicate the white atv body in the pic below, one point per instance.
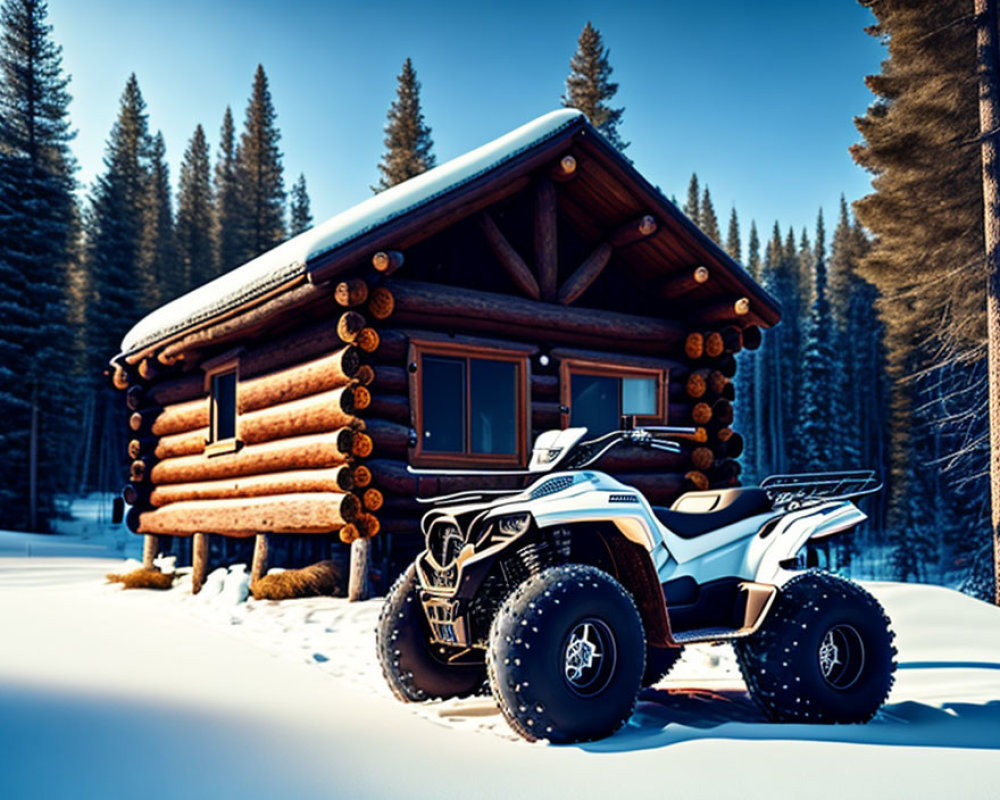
[(644, 580)]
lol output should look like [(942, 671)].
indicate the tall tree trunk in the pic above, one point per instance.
[(989, 121)]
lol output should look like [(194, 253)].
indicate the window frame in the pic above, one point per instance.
[(600, 368), (520, 357), (225, 364)]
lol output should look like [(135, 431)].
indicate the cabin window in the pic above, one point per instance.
[(469, 405), (597, 395), (221, 379)]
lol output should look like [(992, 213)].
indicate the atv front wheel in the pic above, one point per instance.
[(824, 653), (565, 655), (414, 668)]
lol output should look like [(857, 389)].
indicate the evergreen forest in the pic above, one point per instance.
[(879, 362)]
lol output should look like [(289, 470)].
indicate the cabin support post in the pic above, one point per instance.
[(259, 564), (357, 583), (199, 558), (546, 252), (150, 550)]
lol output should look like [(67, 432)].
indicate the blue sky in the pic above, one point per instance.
[(758, 98)]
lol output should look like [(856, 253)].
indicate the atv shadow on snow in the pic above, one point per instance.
[(665, 717)]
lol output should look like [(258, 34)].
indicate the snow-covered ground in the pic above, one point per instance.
[(113, 693)]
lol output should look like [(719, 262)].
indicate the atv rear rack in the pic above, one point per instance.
[(810, 488)]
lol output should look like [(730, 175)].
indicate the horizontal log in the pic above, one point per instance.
[(242, 322), (632, 458), (546, 415), (544, 386), (683, 282), (362, 476), (382, 303), (422, 303), (317, 413), (391, 476), (676, 368), (387, 261), (391, 407), (694, 345), (720, 312), (318, 375), (564, 169), (399, 525), (395, 505), (722, 412), (368, 340), (367, 525), (634, 231), (752, 337), (270, 389), (392, 379), (351, 293), (732, 338), (119, 377), (392, 346), (349, 325), (731, 447), (316, 512), (332, 479), (188, 443), (134, 398), (300, 452), (372, 499), (725, 472), (389, 438), (715, 345)]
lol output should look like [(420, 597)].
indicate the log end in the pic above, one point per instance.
[(715, 346), (349, 533), (365, 375), (350, 507), (382, 303), (702, 458), (367, 339), (362, 398), (362, 476), (372, 499), (647, 225), (701, 274), (695, 386), (351, 293), (698, 479), (752, 337), (367, 525), (119, 377), (363, 445), (701, 414), (694, 345), (742, 306)]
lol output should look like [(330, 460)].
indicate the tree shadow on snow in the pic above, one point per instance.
[(665, 717)]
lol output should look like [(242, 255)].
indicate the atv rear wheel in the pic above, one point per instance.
[(565, 655), (824, 653), (414, 668)]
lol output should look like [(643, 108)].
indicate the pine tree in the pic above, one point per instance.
[(818, 385), (37, 232), (589, 88), (115, 227), (749, 406), (408, 143), (162, 280), (927, 266), (707, 220), (733, 246), (299, 214), (229, 210), (196, 214), (753, 252), (692, 208), (259, 175)]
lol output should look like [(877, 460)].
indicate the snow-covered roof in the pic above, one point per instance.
[(290, 259)]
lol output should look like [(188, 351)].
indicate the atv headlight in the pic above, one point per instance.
[(548, 456), (513, 524)]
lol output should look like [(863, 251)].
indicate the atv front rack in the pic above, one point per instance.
[(810, 488)]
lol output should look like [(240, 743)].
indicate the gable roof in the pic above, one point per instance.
[(330, 247)]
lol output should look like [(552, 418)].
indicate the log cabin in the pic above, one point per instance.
[(538, 281)]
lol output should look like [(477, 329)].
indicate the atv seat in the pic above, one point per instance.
[(696, 513)]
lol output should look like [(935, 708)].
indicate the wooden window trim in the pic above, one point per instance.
[(592, 366), (226, 363), (465, 349)]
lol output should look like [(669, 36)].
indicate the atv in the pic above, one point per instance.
[(567, 597)]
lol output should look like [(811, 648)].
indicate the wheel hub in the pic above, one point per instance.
[(841, 656), (589, 657)]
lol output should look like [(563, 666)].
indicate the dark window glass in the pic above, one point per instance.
[(443, 404), (224, 398), (493, 406), (595, 403)]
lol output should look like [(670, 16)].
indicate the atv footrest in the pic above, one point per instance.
[(708, 635)]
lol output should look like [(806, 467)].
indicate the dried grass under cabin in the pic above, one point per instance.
[(322, 578), (143, 578)]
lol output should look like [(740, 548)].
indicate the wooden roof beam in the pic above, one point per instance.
[(508, 257)]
